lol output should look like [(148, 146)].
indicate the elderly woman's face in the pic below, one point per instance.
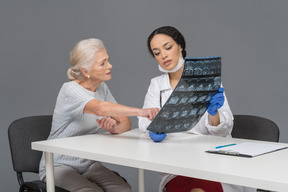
[(101, 68), (165, 50)]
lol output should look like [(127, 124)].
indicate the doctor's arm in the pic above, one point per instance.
[(220, 117), (216, 103)]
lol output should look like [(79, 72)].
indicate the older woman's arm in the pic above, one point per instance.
[(105, 108)]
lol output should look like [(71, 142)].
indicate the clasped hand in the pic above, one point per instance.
[(109, 124), (216, 102)]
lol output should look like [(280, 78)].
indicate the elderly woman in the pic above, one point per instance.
[(86, 106)]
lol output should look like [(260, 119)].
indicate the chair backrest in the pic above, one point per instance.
[(254, 127), (21, 133)]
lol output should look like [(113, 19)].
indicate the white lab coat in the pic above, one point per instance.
[(160, 86)]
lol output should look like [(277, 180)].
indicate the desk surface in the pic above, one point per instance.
[(181, 154)]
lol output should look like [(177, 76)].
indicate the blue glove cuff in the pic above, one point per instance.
[(212, 110)]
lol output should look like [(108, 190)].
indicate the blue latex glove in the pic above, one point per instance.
[(216, 102), (157, 137)]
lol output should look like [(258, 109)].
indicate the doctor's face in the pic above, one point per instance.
[(166, 51)]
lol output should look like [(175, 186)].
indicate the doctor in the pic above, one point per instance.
[(167, 45)]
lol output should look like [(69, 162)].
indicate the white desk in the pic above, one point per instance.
[(179, 153)]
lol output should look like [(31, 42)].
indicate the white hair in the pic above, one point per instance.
[(82, 56)]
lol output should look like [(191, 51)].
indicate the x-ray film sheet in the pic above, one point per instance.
[(200, 80)]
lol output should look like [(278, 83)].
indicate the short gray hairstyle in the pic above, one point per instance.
[(82, 56)]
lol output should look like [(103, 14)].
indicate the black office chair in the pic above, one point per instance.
[(255, 128), (21, 133)]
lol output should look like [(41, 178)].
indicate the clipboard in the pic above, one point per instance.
[(248, 149)]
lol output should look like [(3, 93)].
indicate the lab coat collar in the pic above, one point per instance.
[(165, 82)]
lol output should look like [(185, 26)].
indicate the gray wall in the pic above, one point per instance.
[(37, 36)]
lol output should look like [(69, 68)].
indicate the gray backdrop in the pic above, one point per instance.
[(37, 36)]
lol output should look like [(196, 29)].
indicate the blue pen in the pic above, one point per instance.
[(225, 146)]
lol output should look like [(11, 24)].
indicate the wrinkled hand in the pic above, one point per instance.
[(157, 137), (109, 124), (149, 113), (216, 102)]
